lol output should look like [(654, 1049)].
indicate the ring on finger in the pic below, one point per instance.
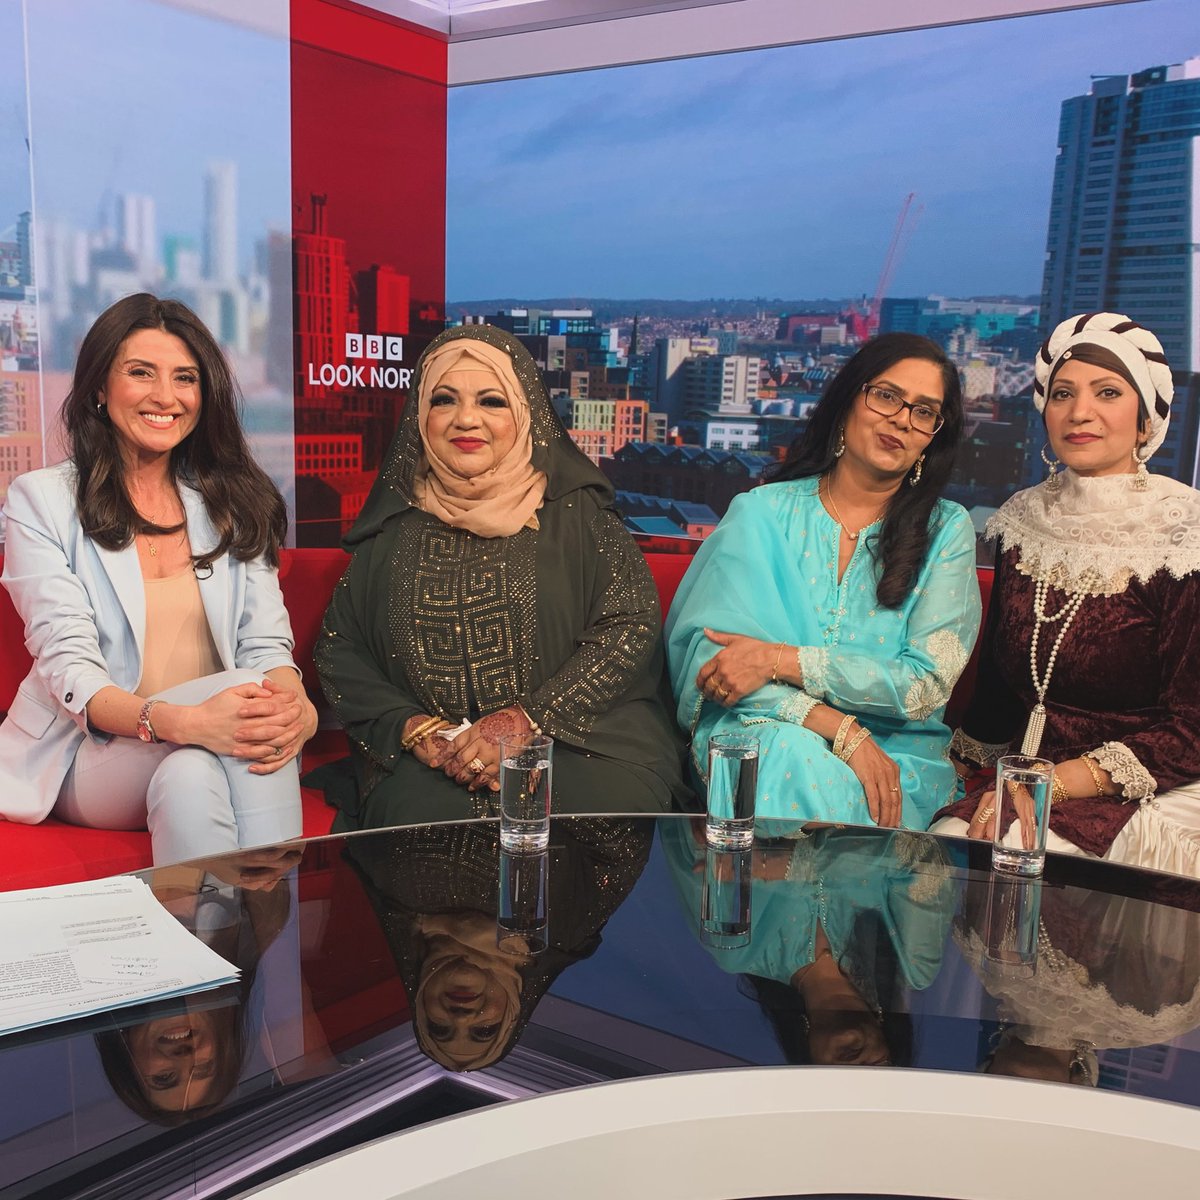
[(475, 766), (984, 813), (278, 750)]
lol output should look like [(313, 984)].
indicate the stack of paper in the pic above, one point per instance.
[(89, 947)]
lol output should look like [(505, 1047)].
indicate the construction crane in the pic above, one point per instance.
[(906, 222)]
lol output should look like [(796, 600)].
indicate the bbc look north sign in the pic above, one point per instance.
[(372, 360)]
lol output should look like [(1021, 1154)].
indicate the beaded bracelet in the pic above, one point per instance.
[(1094, 769), (853, 744), (839, 739)]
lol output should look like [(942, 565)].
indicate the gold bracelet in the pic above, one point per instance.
[(853, 744), (775, 668), (431, 725), (1094, 768), (1058, 790), (839, 738)]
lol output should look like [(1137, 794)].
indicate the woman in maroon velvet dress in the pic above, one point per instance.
[(1093, 630)]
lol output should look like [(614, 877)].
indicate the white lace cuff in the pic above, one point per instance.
[(1135, 782), (982, 754), (797, 707), (813, 662)]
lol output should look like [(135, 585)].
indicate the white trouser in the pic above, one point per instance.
[(194, 802)]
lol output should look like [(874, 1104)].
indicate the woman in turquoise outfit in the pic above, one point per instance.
[(832, 610)]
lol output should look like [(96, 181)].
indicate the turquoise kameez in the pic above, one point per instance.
[(769, 571)]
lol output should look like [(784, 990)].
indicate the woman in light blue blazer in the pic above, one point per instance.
[(163, 693)]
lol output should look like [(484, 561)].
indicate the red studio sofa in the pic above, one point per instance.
[(53, 852)]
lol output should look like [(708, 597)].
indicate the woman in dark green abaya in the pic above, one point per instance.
[(493, 583)]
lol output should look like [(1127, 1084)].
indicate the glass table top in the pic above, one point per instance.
[(399, 976)]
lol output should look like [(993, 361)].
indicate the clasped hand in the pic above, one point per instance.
[(266, 724), (471, 759)]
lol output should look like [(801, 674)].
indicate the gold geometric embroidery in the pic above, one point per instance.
[(616, 649), (461, 620)]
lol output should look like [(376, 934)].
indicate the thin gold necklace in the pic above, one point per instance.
[(151, 545), (837, 516)]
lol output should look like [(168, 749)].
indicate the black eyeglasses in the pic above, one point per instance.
[(887, 403)]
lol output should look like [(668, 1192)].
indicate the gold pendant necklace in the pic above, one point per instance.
[(837, 516)]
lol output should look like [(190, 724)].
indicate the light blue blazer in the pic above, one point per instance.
[(84, 610)]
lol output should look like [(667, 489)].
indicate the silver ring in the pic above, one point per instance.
[(278, 750)]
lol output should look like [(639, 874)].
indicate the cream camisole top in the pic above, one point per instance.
[(179, 642)]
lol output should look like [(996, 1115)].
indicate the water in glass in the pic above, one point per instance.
[(1028, 793), (732, 785), (525, 784)]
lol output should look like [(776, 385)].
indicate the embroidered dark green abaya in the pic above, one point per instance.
[(563, 619)]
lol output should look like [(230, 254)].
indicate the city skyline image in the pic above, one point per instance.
[(711, 239), (147, 148)]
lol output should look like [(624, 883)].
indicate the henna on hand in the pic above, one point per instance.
[(505, 723)]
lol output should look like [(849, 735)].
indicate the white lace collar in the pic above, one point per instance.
[(1095, 535)]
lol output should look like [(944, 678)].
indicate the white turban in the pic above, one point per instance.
[(1137, 348)]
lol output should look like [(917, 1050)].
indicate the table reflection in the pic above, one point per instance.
[(183, 1058), (436, 889), (843, 923), (1107, 972), (391, 978)]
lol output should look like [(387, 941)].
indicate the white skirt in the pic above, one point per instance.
[(1163, 835)]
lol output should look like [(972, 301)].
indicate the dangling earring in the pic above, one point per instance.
[(915, 477), (840, 448), (1053, 483), (1141, 477)]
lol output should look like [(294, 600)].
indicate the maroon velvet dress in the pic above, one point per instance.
[(1127, 671)]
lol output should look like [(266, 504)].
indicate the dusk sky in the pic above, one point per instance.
[(781, 172)]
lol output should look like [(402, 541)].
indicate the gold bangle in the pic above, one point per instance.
[(775, 668), (839, 738), (1058, 790), (853, 744), (428, 726), (1094, 768)]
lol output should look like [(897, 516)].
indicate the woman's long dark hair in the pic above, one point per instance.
[(901, 544), (243, 504)]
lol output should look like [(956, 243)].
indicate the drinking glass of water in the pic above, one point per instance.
[(526, 770), (1022, 814), (732, 785)]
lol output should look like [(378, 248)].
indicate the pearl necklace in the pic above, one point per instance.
[(1037, 718), (837, 516)]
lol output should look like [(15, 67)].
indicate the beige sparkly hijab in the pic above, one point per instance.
[(503, 500)]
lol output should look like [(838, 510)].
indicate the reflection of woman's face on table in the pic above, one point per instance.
[(176, 1060), (465, 1002), (847, 1038)]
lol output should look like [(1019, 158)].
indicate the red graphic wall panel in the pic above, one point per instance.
[(368, 243)]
